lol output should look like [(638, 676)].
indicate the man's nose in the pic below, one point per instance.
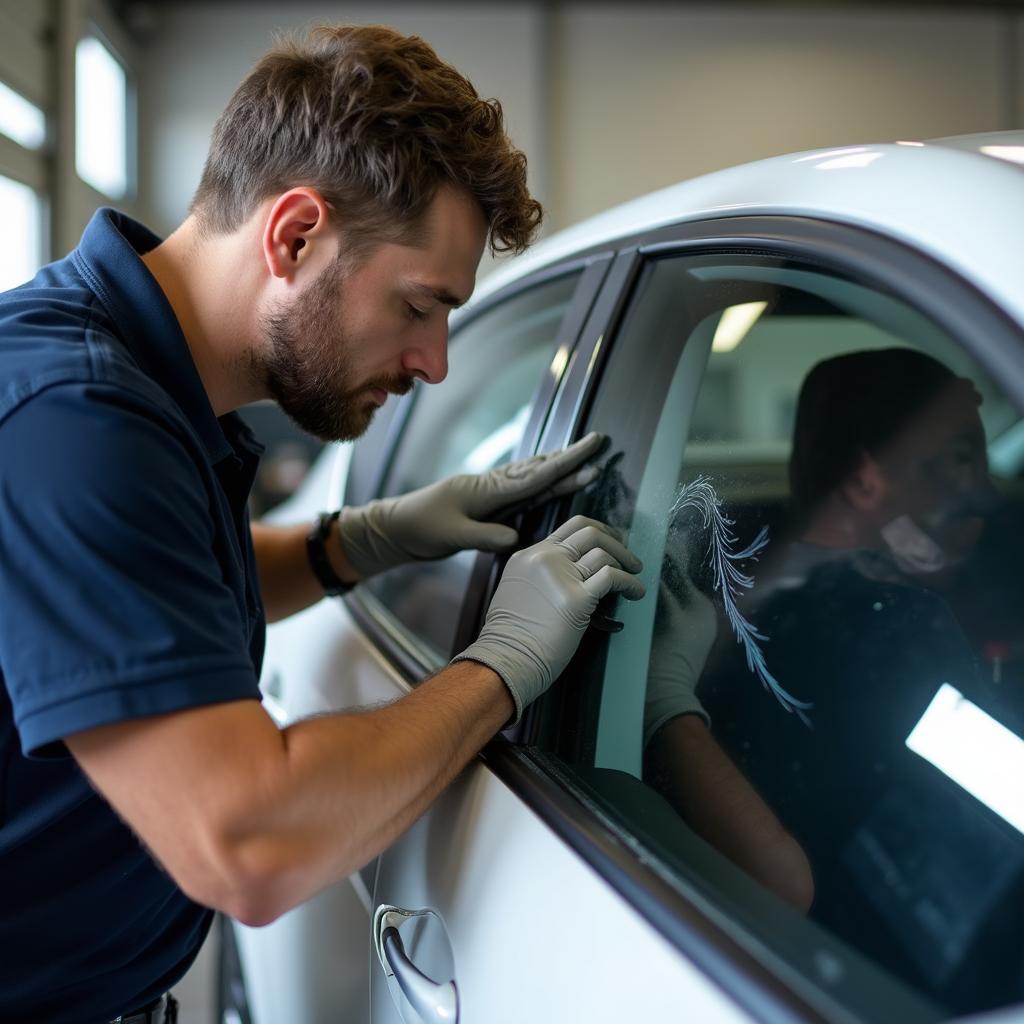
[(428, 358)]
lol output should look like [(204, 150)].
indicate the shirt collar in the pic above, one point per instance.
[(108, 256)]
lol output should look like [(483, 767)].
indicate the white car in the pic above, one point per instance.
[(568, 876)]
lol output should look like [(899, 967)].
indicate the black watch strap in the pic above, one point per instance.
[(316, 540)]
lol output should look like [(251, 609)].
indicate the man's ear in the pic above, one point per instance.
[(298, 233), (865, 487)]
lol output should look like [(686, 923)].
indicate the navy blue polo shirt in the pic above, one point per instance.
[(127, 588)]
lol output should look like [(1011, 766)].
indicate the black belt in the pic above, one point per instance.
[(161, 1011)]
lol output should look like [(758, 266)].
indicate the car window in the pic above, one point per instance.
[(816, 712), (472, 421)]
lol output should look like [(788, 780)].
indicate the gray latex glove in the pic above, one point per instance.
[(544, 601), (457, 514), (685, 626)]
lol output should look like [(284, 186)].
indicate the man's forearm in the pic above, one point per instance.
[(254, 821), (357, 801), (287, 582)]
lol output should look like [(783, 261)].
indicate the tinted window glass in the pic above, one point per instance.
[(817, 709), (472, 421)]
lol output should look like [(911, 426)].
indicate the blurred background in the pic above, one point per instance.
[(109, 102)]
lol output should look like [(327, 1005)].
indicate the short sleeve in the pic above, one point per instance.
[(113, 603)]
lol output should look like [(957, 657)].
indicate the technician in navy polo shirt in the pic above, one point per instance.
[(351, 186)]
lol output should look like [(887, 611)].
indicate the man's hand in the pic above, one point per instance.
[(458, 513), (544, 601)]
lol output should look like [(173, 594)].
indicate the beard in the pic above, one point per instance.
[(307, 365)]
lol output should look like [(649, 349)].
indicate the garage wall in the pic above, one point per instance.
[(692, 89), (25, 66), (1015, 52), (611, 100)]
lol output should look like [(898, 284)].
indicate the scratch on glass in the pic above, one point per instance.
[(699, 496)]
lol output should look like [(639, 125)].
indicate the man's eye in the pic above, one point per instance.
[(414, 313)]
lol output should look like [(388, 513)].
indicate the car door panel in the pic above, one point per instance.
[(537, 935)]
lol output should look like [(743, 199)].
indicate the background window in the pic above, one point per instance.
[(833, 565), (101, 119), (20, 120), (472, 421), (22, 216)]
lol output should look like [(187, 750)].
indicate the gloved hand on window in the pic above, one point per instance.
[(460, 513), (544, 601), (685, 626)]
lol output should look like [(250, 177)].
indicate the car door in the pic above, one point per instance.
[(590, 867)]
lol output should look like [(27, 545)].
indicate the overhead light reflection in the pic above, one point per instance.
[(1015, 154), (735, 323), (559, 362), (845, 151), (841, 163), (975, 751)]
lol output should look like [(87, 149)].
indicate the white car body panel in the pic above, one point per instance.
[(537, 935), (877, 187)]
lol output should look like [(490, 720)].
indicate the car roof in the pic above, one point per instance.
[(958, 199)]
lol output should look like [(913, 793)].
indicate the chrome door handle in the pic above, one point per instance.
[(433, 1001)]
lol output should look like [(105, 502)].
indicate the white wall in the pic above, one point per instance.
[(610, 100)]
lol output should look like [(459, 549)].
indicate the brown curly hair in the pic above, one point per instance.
[(376, 122)]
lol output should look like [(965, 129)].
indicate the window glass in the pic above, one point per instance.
[(101, 119), (469, 423), (21, 209), (20, 120), (818, 707)]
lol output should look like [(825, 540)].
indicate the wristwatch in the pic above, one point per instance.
[(333, 584)]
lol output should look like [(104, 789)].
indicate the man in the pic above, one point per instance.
[(351, 186)]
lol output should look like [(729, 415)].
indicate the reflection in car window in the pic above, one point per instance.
[(469, 423), (825, 682)]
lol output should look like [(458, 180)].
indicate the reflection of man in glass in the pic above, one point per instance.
[(889, 455), (890, 485)]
